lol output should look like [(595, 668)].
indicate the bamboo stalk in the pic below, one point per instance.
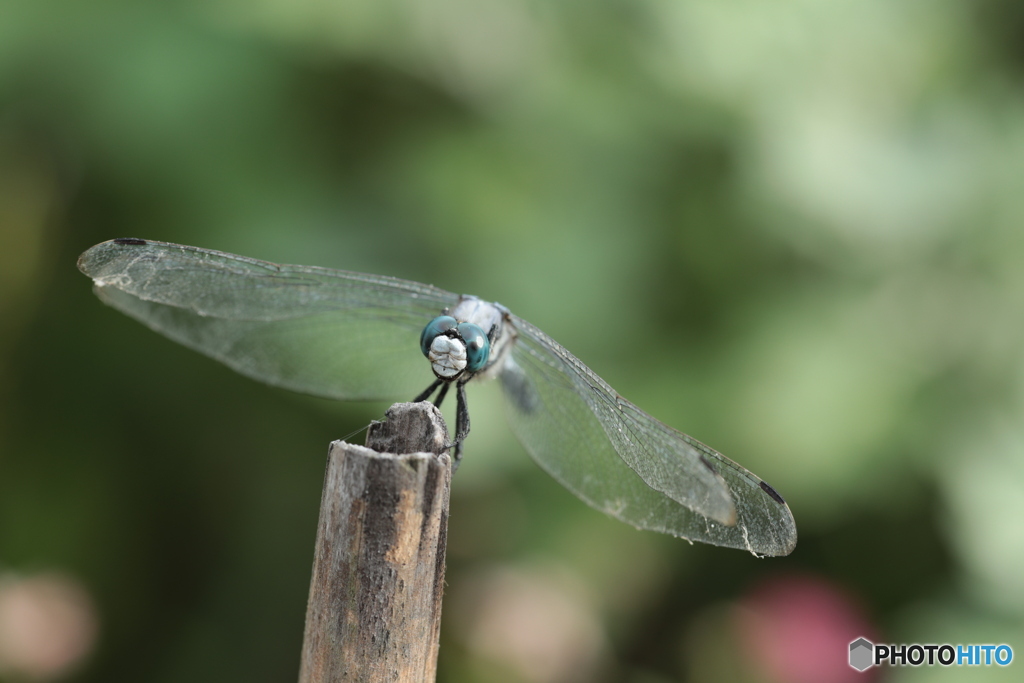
[(374, 611)]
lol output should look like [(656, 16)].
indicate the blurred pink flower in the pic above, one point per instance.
[(798, 629), (48, 625)]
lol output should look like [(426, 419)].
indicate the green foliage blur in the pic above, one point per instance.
[(792, 230)]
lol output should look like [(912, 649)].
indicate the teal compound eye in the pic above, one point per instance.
[(478, 346), (434, 328)]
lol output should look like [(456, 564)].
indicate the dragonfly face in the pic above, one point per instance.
[(351, 336), (453, 347)]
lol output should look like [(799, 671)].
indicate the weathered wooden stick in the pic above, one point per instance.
[(374, 610)]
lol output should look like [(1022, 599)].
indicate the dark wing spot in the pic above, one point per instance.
[(772, 492), (707, 463), (132, 241), (520, 390)]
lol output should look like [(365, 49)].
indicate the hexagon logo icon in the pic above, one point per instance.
[(862, 654)]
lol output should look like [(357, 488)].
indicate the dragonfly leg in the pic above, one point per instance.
[(441, 394), (457, 458), (426, 394), (461, 423)]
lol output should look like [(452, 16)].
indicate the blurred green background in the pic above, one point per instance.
[(790, 229)]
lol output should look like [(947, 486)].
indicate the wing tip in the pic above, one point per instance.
[(88, 258), (791, 538), (787, 541), (779, 547), (788, 548)]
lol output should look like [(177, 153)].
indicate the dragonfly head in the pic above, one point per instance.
[(453, 347)]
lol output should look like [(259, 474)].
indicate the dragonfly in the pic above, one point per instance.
[(352, 336)]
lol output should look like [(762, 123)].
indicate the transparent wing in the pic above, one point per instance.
[(314, 330), (621, 460)]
